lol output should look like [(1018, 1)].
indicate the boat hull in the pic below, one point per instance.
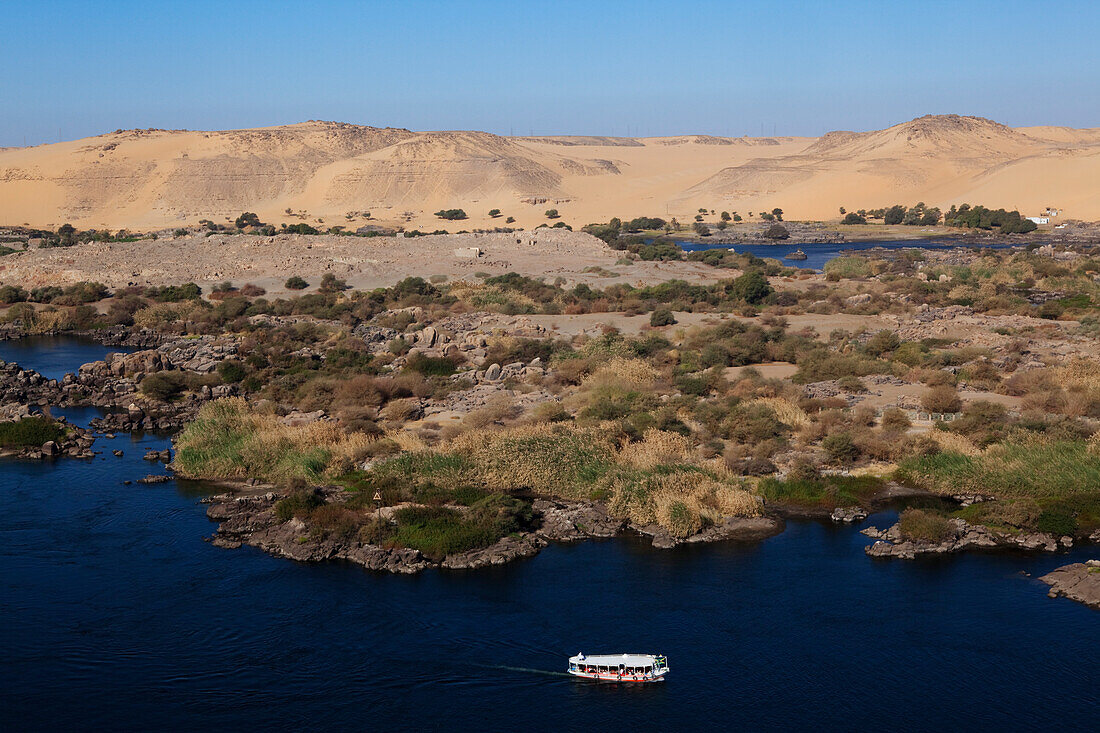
[(616, 677)]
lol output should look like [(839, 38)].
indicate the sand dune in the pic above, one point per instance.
[(152, 178)]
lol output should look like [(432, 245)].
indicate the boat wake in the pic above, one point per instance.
[(528, 670)]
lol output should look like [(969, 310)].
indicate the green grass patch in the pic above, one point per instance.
[(925, 526), (1009, 470), (30, 431), (441, 531), (827, 492)]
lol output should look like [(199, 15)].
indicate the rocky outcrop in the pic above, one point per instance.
[(849, 514), (964, 536), (745, 529), (202, 355), (569, 521), (742, 529), (1079, 582), (506, 550)]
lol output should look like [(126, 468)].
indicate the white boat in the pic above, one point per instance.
[(620, 667)]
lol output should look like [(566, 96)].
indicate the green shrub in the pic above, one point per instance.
[(1040, 470), (451, 214), (682, 522), (30, 431), (430, 366), (924, 526), (163, 386), (752, 287), (851, 383), (440, 531), (297, 503), (1057, 521), (776, 231), (331, 284), (231, 371), (847, 267), (805, 487), (296, 283), (661, 317), (840, 447)]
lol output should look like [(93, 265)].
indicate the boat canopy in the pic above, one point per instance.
[(614, 660)]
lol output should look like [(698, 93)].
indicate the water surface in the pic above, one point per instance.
[(55, 356), (818, 254)]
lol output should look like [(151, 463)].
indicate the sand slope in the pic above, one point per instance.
[(152, 178)]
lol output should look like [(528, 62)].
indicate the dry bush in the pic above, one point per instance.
[(1081, 380), (552, 458), (941, 399), (683, 502), (938, 378), (786, 410), (1033, 380), (954, 442), (621, 373), (160, 314), (657, 447), (548, 412), (402, 410), (864, 416), (498, 409), (361, 389), (407, 441), (896, 419)]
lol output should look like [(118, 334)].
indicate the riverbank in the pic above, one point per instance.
[(455, 401), (251, 517)]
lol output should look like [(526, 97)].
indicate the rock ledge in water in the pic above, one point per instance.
[(1079, 581)]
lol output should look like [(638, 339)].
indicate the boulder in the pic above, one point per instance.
[(1078, 581), (849, 514), (492, 374)]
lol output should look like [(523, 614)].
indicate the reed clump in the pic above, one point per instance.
[(228, 440)]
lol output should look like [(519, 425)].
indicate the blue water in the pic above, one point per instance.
[(114, 613), (818, 254), (54, 356)]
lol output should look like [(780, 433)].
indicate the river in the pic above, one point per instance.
[(115, 614), (818, 254)]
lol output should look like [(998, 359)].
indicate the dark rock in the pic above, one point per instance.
[(566, 521)]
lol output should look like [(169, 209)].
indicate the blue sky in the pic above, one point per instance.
[(73, 69)]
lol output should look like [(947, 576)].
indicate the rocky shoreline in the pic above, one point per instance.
[(892, 542), (248, 517)]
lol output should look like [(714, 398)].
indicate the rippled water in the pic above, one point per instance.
[(54, 356), (818, 254), (114, 613)]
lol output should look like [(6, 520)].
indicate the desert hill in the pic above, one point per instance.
[(333, 172)]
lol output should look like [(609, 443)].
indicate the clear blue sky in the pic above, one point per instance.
[(800, 68)]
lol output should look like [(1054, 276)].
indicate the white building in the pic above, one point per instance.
[(1039, 219)]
